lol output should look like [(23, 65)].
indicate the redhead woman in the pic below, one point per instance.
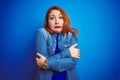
[(57, 47)]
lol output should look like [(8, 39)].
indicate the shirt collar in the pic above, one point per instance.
[(60, 34)]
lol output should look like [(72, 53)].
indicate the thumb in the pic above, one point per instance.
[(38, 55), (74, 45)]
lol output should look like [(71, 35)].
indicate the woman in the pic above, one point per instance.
[(57, 52)]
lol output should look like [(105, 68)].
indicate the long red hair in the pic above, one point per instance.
[(66, 24)]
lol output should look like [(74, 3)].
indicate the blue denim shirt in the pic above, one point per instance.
[(46, 44)]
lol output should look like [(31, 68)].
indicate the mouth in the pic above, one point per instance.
[(57, 27)]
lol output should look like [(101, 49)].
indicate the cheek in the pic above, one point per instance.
[(51, 27), (50, 24), (62, 22)]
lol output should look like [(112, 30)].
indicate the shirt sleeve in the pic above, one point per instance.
[(41, 43), (61, 64)]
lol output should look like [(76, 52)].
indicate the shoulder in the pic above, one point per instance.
[(43, 32), (70, 34), (75, 32)]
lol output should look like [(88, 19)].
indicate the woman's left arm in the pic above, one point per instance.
[(62, 63)]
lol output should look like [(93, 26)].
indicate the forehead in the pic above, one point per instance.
[(55, 12)]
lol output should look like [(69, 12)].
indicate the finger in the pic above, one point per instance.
[(39, 55), (37, 59), (77, 55), (78, 50), (44, 64), (74, 45)]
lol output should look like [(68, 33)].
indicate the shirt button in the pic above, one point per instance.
[(65, 45), (53, 49)]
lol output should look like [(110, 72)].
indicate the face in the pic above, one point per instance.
[(55, 21)]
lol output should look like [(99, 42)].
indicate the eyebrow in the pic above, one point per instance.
[(54, 15)]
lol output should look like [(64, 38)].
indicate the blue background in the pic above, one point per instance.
[(98, 22)]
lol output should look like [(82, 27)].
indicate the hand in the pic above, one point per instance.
[(41, 60), (75, 53)]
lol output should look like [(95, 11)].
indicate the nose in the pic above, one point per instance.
[(56, 21)]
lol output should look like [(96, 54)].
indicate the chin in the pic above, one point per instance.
[(57, 31)]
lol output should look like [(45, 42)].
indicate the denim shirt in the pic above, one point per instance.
[(46, 44)]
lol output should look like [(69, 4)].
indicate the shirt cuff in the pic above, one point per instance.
[(66, 53)]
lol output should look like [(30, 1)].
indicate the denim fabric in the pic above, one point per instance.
[(46, 44)]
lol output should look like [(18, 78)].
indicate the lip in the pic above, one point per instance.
[(57, 26)]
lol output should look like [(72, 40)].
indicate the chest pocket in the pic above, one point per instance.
[(65, 44), (50, 47)]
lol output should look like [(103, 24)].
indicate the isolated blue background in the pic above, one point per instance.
[(98, 22)]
